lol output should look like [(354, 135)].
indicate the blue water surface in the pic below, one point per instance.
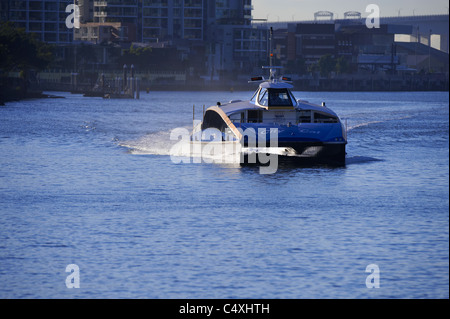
[(90, 182)]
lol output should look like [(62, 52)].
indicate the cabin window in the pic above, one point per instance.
[(304, 117), (293, 98), (254, 116), (237, 117), (324, 118), (253, 99), (263, 97), (279, 97)]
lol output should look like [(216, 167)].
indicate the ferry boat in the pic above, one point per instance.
[(290, 128)]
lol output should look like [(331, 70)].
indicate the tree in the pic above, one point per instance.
[(141, 57), (342, 65), (21, 51), (313, 67), (327, 64)]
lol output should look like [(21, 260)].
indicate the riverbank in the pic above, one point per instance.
[(343, 83), (12, 95), (13, 89), (29, 95)]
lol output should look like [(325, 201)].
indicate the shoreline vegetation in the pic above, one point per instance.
[(21, 53)]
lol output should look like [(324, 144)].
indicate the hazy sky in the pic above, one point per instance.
[(288, 10)]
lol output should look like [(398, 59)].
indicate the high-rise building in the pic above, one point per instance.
[(231, 12), (172, 20), (164, 20), (119, 12), (156, 20), (233, 43), (46, 19), (315, 40), (86, 10), (220, 29), (116, 11)]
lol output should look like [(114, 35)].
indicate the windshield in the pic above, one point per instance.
[(280, 97), (253, 99)]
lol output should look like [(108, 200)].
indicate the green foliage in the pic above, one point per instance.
[(327, 64), (21, 51), (313, 67), (342, 65), (140, 57)]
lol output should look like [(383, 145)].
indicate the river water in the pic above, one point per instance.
[(90, 182)]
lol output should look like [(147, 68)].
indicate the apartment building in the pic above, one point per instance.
[(172, 20), (315, 40), (116, 11), (45, 18), (166, 20), (233, 12), (155, 20), (219, 30)]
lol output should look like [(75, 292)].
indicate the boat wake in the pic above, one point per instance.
[(182, 149), (360, 160), (363, 124), (160, 143), (157, 143), (352, 127)]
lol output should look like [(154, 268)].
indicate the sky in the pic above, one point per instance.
[(289, 10)]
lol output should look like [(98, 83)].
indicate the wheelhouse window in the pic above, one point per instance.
[(293, 97), (263, 97), (280, 97), (253, 99)]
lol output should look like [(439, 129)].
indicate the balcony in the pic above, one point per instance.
[(100, 14)]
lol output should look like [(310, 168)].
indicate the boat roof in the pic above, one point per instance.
[(305, 105), (276, 85), (239, 106)]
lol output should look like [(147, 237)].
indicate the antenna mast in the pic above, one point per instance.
[(271, 67), (270, 49), (272, 73)]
